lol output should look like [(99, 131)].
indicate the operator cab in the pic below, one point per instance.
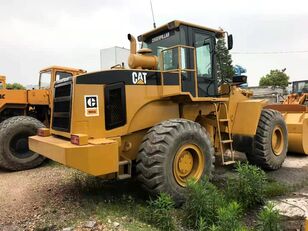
[(164, 43), (300, 87)]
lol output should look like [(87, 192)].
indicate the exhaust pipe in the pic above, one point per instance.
[(133, 44)]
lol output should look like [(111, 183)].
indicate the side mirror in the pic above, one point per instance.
[(230, 42)]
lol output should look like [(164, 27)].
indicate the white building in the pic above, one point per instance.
[(113, 56)]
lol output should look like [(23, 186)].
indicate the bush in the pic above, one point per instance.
[(249, 188), (229, 217), (269, 219), (159, 212), (202, 204)]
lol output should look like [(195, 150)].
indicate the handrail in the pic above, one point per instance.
[(179, 70)]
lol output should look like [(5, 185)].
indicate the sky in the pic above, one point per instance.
[(40, 33)]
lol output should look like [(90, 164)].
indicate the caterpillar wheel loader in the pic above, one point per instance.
[(163, 119), (22, 112), (295, 113)]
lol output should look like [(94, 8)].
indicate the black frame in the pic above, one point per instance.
[(107, 90), (56, 99)]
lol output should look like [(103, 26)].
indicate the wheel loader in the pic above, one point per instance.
[(22, 112), (295, 113), (163, 119)]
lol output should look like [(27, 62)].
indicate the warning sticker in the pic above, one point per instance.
[(91, 105)]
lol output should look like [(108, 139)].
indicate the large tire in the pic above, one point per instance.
[(172, 152), (14, 150), (270, 143)]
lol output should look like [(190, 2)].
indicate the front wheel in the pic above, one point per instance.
[(270, 143), (172, 152), (14, 150)]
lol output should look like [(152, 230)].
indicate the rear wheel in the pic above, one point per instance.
[(14, 150), (271, 141), (171, 153)]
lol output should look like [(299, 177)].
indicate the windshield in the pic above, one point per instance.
[(300, 87), (165, 40), (62, 75), (45, 78)]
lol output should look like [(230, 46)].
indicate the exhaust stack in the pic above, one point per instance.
[(142, 60), (133, 44)]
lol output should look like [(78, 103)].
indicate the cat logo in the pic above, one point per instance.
[(139, 78), (2, 96), (91, 105)]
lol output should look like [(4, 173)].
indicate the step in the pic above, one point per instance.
[(123, 162), (229, 162), (224, 120), (226, 141), (124, 176)]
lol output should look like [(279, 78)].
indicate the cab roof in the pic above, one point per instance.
[(62, 68), (175, 24)]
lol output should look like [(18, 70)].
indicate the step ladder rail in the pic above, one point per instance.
[(229, 131), (218, 110)]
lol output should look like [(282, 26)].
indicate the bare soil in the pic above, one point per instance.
[(47, 198)]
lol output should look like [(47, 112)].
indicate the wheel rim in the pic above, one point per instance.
[(277, 140), (188, 163), (19, 146)]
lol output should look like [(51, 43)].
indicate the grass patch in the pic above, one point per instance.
[(248, 188), (274, 189)]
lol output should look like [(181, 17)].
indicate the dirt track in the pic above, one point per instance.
[(47, 196)]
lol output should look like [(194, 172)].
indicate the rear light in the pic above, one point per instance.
[(79, 139), (43, 132)]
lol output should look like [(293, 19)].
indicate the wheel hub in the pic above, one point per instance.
[(188, 163), (185, 163), (277, 140)]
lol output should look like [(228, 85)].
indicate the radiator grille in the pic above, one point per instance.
[(61, 116), (115, 106)]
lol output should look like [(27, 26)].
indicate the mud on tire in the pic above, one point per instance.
[(14, 151), (155, 161)]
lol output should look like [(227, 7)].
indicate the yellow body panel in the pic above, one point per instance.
[(13, 97), (246, 117), (38, 97), (97, 160)]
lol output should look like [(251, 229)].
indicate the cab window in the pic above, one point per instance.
[(62, 75), (203, 55), (45, 79)]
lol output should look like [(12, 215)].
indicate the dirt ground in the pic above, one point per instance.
[(46, 198), (30, 197)]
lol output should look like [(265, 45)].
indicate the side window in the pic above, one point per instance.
[(45, 78), (62, 75), (203, 56)]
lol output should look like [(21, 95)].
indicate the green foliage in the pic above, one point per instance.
[(249, 188), (269, 219), (224, 62), (202, 204), (230, 216), (275, 78), (159, 212), (15, 86), (274, 189)]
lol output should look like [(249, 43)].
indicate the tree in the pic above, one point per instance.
[(275, 78), (16, 86), (225, 70)]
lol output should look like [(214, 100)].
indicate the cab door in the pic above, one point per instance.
[(204, 42)]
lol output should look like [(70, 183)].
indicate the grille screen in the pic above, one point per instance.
[(62, 106), (115, 106)]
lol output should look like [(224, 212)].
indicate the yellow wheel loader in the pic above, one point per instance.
[(22, 112), (163, 119), (295, 113)]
